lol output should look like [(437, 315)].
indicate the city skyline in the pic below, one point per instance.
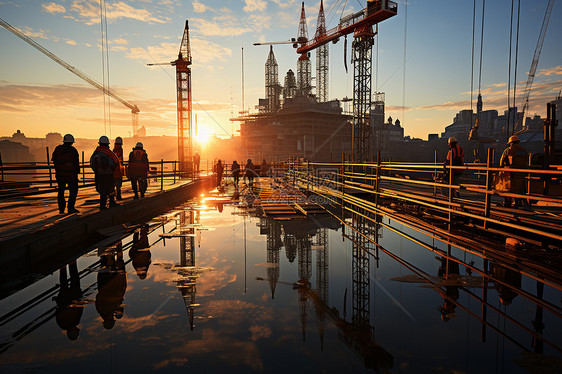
[(37, 94)]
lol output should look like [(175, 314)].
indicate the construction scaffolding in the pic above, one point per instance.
[(272, 87), (322, 58)]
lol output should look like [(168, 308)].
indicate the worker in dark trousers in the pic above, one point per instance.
[(515, 157), (455, 158), (196, 162), (250, 172), (67, 168), (137, 170), (219, 170), (106, 167), (112, 285), (118, 150), (236, 173)]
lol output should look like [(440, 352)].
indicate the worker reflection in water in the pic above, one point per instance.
[(137, 170), (450, 274), (516, 157), (106, 168), (235, 173), (264, 168), (69, 307), (250, 171), (112, 284), (218, 169), (455, 158), (506, 281), (140, 252), (196, 162), (118, 150), (67, 168)]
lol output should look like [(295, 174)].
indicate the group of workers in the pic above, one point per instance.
[(514, 156), (108, 167), (250, 172)]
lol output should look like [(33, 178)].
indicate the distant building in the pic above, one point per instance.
[(303, 127)]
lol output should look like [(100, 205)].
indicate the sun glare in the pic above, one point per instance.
[(202, 136)]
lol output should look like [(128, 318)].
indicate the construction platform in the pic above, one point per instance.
[(34, 236)]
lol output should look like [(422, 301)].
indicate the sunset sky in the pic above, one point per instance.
[(38, 96)]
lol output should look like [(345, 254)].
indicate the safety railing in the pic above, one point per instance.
[(431, 186), (18, 179)]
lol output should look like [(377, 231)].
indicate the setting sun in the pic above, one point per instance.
[(202, 137)]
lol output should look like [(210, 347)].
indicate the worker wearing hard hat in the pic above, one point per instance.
[(516, 157), (67, 168), (475, 140), (455, 158), (106, 167), (196, 162), (118, 177), (137, 170)]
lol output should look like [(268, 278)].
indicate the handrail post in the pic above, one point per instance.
[(161, 174), (450, 191), (175, 172), (377, 179), (488, 198), (307, 176), (49, 165), (83, 170), (435, 173), (342, 186)]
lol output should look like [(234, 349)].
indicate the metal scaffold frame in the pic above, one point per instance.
[(361, 290), (272, 88), (322, 58), (362, 71)]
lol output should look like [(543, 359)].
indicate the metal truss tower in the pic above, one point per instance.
[(305, 272), (361, 290), (322, 263), (290, 85), (273, 247), (272, 88), (362, 74), (188, 284), (184, 103), (304, 77), (322, 58)]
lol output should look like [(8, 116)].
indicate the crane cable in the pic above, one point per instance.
[(105, 67), (509, 72), (481, 48), (472, 64), (515, 74)]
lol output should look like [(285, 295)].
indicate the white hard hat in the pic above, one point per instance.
[(512, 139), (139, 145), (103, 140), (452, 140), (68, 138), (118, 140)]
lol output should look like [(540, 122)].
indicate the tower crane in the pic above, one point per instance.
[(361, 25), (184, 102), (134, 109), (534, 64)]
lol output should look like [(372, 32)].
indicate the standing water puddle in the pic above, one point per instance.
[(210, 287)]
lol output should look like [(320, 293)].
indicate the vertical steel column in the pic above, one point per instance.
[(362, 70), (83, 170), (161, 174), (488, 197), (49, 165)]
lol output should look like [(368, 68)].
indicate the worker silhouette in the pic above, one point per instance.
[(137, 170), (140, 252), (112, 284), (196, 162), (450, 274), (455, 158), (250, 173), (219, 170), (69, 308), (515, 157), (236, 173), (474, 139), (118, 150), (106, 169), (67, 167)]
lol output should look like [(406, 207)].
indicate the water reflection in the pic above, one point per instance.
[(140, 252), (112, 284), (69, 307), (371, 303)]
